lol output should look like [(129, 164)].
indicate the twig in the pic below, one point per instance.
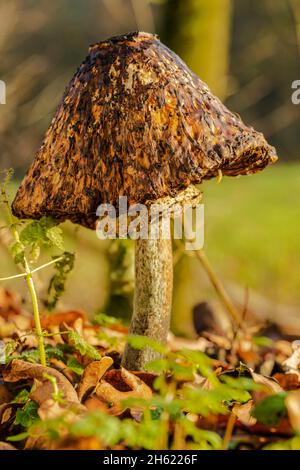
[(201, 256), (228, 432)]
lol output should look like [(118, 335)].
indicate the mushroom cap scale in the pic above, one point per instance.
[(134, 121)]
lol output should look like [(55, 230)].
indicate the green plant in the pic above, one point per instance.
[(25, 249)]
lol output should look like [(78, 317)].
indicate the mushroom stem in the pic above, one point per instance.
[(152, 299)]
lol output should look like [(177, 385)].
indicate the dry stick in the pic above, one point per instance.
[(201, 256), (228, 432), (30, 284)]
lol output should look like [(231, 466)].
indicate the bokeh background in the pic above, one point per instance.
[(248, 52)]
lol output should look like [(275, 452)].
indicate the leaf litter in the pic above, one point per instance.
[(213, 392)]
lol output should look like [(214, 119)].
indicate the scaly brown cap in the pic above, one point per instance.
[(134, 121)]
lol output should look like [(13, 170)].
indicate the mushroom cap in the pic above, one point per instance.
[(134, 121)]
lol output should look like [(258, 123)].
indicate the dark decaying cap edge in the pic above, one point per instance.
[(134, 121)]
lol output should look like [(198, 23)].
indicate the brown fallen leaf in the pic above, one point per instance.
[(22, 370), (5, 395), (269, 383), (95, 403), (6, 446), (64, 317), (39, 443), (108, 393), (218, 340), (92, 375), (243, 413), (292, 364), (287, 381), (61, 367), (115, 378), (6, 412), (12, 313), (51, 409), (10, 303), (82, 443), (292, 403), (199, 344)]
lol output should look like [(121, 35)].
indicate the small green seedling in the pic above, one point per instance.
[(25, 249)]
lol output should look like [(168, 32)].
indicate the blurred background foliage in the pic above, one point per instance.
[(248, 52)]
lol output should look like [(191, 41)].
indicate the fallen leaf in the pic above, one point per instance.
[(292, 364), (51, 409), (94, 403), (10, 304), (5, 395), (6, 446), (292, 403), (199, 344), (61, 367), (243, 413), (83, 443), (138, 389), (287, 381), (6, 411), (269, 383), (21, 370), (92, 374), (115, 378), (64, 317)]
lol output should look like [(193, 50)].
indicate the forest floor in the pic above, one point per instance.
[(219, 391)]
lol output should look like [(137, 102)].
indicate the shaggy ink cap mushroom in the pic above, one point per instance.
[(134, 121)]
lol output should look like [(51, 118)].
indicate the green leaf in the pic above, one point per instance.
[(106, 427), (157, 365), (269, 410), (106, 320), (27, 415), (17, 252), (32, 355), (18, 437), (21, 397), (57, 283), (75, 365), (43, 231), (262, 341), (10, 348), (81, 345), (141, 342), (54, 235)]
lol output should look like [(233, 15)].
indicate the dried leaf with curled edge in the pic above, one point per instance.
[(92, 374), (243, 412), (21, 370), (134, 121), (292, 403), (6, 412), (51, 409), (269, 384), (111, 395), (292, 364)]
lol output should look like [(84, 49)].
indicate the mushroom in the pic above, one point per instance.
[(135, 121)]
